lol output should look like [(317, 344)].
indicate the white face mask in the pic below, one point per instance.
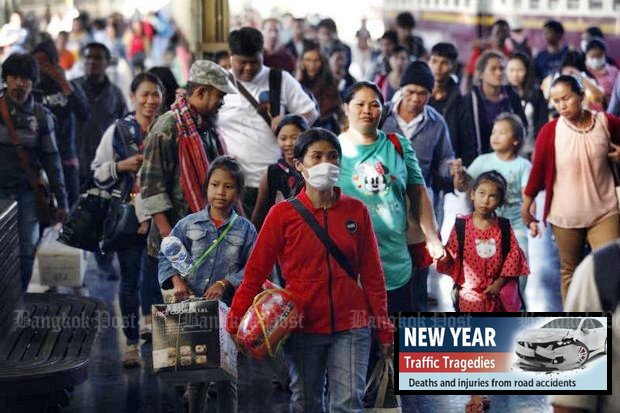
[(323, 176), (595, 63)]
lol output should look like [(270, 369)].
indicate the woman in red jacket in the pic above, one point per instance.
[(572, 162), (335, 333)]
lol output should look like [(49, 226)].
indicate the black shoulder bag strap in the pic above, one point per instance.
[(320, 232), (275, 91), (248, 96)]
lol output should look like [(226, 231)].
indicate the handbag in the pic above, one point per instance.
[(120, 227), (84, 225), (46, 206), (379, 395)]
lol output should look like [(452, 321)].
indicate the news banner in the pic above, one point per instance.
[(502, 353)]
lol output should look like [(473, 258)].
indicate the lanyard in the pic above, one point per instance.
[(215, 243)]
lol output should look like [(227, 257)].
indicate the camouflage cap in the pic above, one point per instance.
[(205, 72)]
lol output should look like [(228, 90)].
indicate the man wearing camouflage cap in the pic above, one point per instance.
[(184, 138)]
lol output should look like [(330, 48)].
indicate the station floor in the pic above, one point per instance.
[(111, 388)]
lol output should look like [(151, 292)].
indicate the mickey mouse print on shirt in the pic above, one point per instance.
[(374, 178)]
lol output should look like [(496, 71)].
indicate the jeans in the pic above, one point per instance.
[(129, 259), (28, 229), (343, 356), (149, 286), (72, 183)]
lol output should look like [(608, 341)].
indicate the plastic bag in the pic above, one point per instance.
[(270, 319)]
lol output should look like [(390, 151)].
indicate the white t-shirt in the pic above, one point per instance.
[(248, 137)]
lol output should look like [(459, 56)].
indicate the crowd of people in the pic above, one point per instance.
[(379, 148)]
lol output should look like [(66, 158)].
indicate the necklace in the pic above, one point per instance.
[(580, 129)]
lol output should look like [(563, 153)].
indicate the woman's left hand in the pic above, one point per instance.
[(614, 153), (215, 292)]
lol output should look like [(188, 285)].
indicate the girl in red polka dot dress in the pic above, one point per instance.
[(484, 271)]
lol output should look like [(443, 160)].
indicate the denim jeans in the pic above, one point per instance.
[(28, 229), (149, 286), (129, 259), (343, 356)]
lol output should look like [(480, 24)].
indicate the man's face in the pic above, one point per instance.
[(441, 67), (246, 68), (19, 88), (325, 36), (96, 62), (415, 97), (271, 33), (208, 100)]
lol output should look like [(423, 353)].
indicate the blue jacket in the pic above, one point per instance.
[(431, 142), (227, 261)]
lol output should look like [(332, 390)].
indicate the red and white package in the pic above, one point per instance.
[(270, 319)]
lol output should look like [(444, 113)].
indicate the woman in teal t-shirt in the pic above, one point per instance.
[(381, 173)]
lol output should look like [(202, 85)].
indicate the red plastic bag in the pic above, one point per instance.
[(270, 319)]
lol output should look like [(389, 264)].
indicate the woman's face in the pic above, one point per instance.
[(567, 103), (311, 62), (337, 63), (398, 61), (493, 73), (287, 138), (147, 99), (364, 111), (515, 72), (318, 152)]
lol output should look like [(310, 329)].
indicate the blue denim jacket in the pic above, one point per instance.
[(227, 261)]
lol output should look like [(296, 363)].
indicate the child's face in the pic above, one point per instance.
[(515, 72), (286, 140), (222, 192), (486, 198), (502, 137)]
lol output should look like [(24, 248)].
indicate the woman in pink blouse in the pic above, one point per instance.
[(572, 161)]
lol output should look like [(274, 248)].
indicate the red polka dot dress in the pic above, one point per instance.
[(482, 264)]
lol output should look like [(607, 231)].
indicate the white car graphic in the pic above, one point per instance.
[(562, 343)]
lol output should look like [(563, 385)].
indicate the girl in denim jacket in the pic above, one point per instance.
[(217, 275)]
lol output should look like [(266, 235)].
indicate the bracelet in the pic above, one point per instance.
[(222, 283)]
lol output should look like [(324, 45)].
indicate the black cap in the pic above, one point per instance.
[(418, 73)]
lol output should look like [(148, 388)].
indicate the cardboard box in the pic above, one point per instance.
[(59, 264), (191, 335)]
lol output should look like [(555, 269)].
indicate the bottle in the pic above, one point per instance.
[(174, 250)]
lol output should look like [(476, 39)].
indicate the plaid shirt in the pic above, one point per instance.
[(159, 176)]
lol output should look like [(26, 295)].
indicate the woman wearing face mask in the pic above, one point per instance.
[(596, 62), (329, 339), (382, 172)]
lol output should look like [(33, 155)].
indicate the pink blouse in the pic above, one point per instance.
[(583, 191)]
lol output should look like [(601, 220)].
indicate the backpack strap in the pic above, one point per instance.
[(396, 142), (504, 226), (275, 91), (606, 277), (459, 226)]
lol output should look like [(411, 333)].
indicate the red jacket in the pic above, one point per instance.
[(330, 299), (543, 171)]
